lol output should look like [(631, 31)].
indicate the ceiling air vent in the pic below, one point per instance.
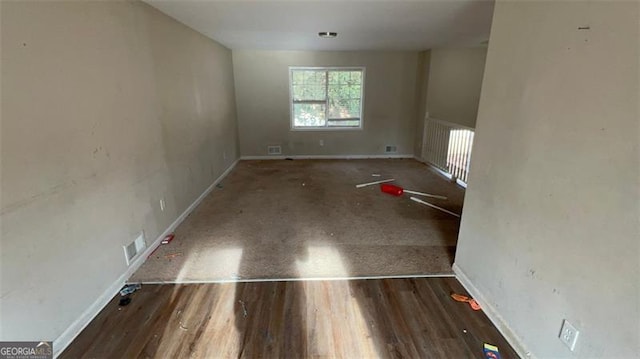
[(274, 150)]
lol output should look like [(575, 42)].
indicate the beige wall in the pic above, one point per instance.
[(455, 78), (262, 92), (422, 84), (107, 107), (550, 228)]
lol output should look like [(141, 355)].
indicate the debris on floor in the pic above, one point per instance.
[(219, 185), (490, 351), (398, 191), (168, 238), (173, 255), (375, 175), (464, 299), (391, 189), (180, 321), (129, 288), (124, 301), (434, 206), (244, 308), (153, 251), (425, 194), (374, 183), (125, 293)]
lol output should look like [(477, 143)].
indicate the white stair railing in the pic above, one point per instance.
[(448, 146)]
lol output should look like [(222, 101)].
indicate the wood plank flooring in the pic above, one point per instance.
[(387, 318)]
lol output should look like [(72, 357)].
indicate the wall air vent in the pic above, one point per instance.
[(274, 150), (133, 249), (390, 149)]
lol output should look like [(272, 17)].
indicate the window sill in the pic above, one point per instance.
[(330, 129)]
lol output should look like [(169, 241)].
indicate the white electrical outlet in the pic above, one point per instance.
[(321, 142), (162, 205), (569, 335)]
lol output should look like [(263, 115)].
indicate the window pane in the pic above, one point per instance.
[(308, 85), (336, 94), (309, 92), (308, 77), (297, 77), (345, 93), (344, 102), (308, 115), (356, 76), (352, 77), (344, 108), (355, 91), (345, 77)]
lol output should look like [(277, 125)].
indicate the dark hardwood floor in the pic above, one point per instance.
[(389, 318)]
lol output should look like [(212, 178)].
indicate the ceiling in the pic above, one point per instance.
[(361, 24)]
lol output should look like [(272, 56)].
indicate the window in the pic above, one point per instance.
[(326, 98)]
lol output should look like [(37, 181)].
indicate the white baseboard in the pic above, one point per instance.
[(72, 331), (493, 315), (61, 343), (325, 157)]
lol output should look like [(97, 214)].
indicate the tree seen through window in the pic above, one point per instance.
[(326, 97)]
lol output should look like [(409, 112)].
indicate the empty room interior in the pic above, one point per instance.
[(293, 179)]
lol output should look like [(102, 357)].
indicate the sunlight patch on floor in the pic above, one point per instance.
[(200, 264), (322, 260), (342, 305)]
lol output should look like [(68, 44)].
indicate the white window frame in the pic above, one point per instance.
[(327, 128)]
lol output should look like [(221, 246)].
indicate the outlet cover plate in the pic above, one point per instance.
[(569, 335)]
